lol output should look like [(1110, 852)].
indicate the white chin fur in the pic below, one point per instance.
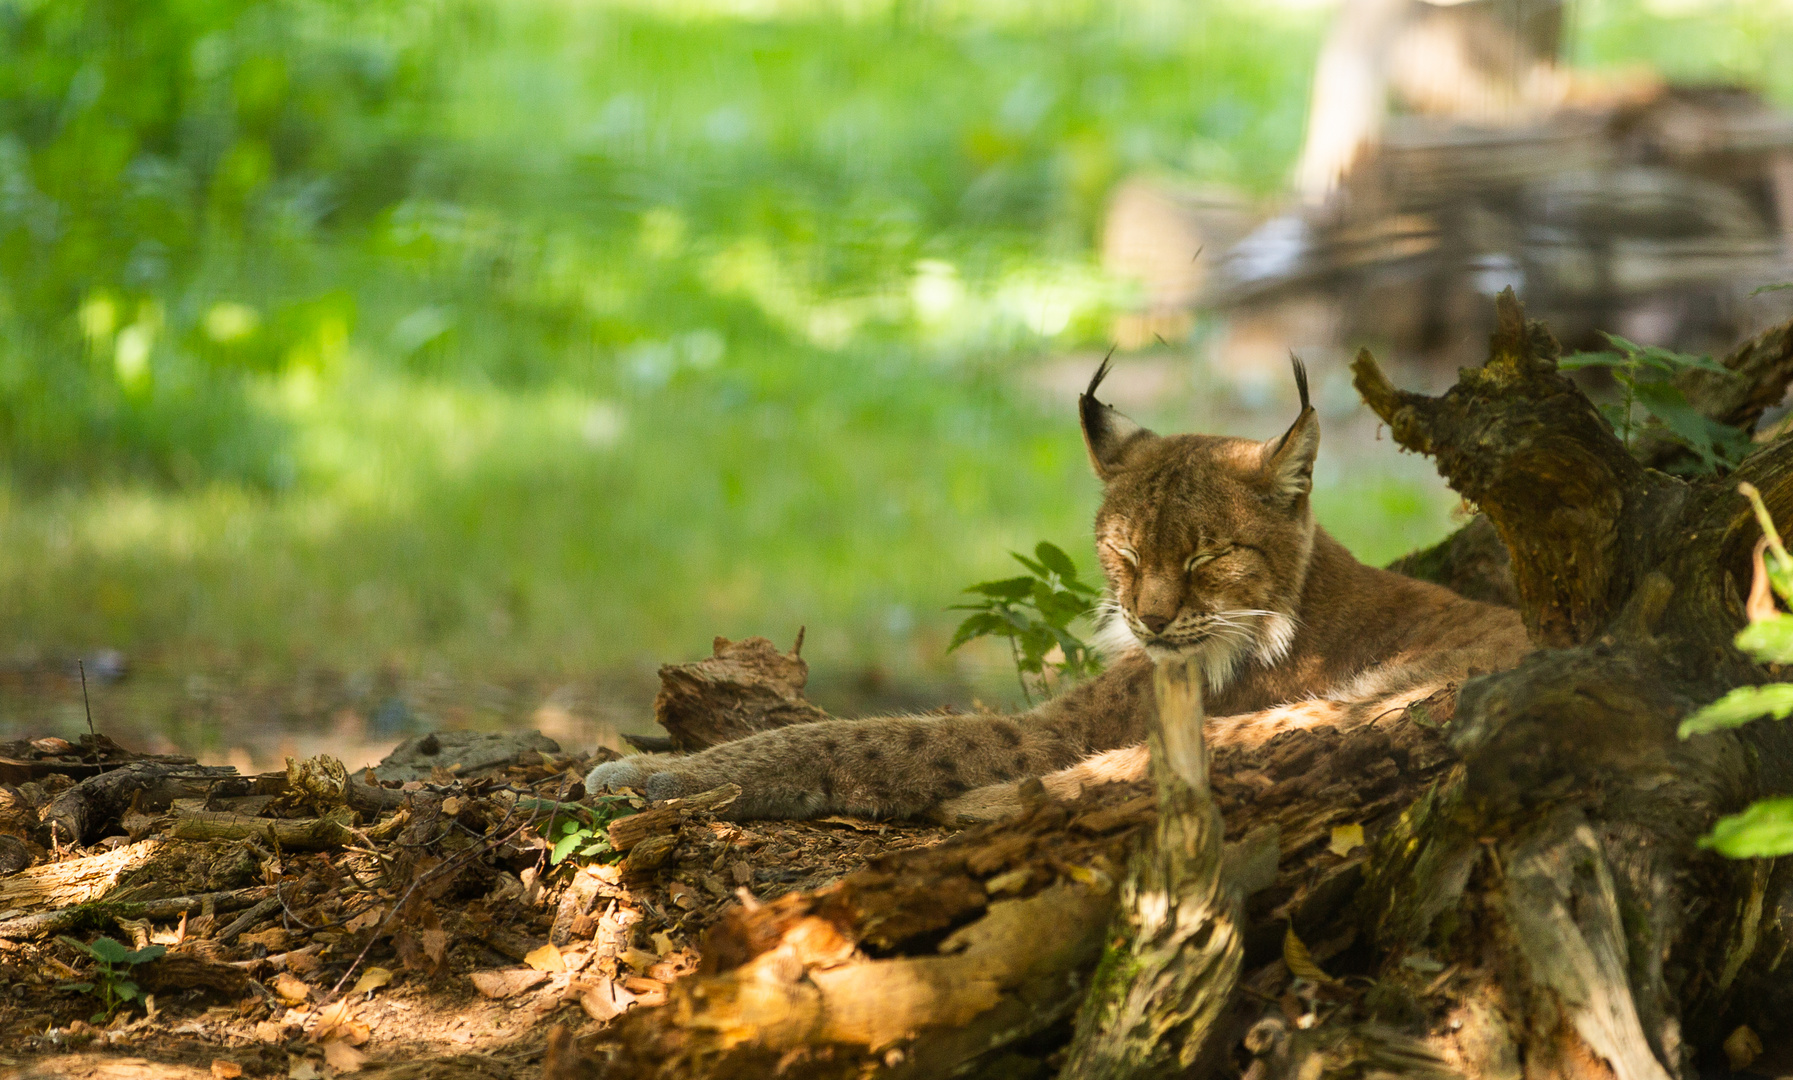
[(1219, 658), (1112, 640)]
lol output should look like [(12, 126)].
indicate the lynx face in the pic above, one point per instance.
[(1205, 541)]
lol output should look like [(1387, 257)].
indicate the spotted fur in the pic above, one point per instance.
[(1210, 551)]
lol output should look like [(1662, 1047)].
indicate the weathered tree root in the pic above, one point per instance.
[(1156, 1002)]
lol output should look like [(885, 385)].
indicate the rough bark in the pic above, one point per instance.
[(82, 813), (1570, 829), (1166, 978), (102, 914), (298, 834), (747, 686)]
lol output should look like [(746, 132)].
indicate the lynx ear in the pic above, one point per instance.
[(1290, 459), (1106, 433)]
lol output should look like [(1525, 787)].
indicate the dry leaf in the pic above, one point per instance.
[(274, 940), (435, 945), (292, 991), (547, 958), (304, 1070), (226, 1070), (1345, 838), (269, 1032), (575, 960), (674, 966), (372, 979), (649, 992), (683, 896), (639, 959), (1760, 607), (1742, 1047), (663, 942), (336, 1022), (367, 920), (452, 805), (507, 982), (1299, 961), (342, 1057), (604, 1000)]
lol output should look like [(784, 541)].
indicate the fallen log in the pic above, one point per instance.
[(81, 814), (298, 834), (101, 914), (150, 869)]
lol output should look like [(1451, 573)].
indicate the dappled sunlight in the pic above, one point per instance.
[(563, 335)]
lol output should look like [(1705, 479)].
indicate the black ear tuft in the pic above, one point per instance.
[(1106, 433), (1301, 388), (1290, 459), (1101, 373)]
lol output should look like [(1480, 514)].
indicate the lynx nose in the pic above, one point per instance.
[(1154, 623)]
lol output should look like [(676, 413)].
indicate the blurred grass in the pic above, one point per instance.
[(554, 337)]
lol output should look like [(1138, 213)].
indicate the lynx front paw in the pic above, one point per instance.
[(654, 776)]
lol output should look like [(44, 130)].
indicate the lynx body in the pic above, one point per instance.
[(1210, 550)]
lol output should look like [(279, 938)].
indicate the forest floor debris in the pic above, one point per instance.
[(314, 923)]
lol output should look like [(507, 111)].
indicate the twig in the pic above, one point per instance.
[(85, 704), (248, 918), (452, 862)]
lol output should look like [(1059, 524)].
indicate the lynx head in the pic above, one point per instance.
[(1204, 540)]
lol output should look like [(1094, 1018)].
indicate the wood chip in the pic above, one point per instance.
[(507, 982), (547, 958)]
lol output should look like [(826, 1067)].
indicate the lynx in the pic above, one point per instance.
[(1211, 554)]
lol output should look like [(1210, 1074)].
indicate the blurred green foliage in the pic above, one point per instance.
[(556, 334)]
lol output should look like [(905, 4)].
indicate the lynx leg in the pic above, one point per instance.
[(996, 801)]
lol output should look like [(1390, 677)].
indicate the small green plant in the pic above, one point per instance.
[(113, 966), (1035, 612), (1646, 374), (1765, 827), (577, 831)]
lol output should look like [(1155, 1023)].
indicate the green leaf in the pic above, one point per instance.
[(1059, 608), (1082, 589), (1036, 569), (563, 849), (1770, 641), (1577, 361), (79, 988), (1681, 361), (982, 624), (125, 990), (1764, 829), (1739, 707), (1016, 588), (108, 951), (1772, 288), (1714, 442), (1056, 560), (146, 954), (1780, 577)]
